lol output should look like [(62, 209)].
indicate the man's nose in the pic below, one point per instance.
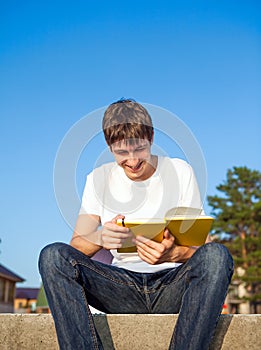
[(132, 161)]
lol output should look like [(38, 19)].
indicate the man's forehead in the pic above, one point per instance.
[(130, 143)]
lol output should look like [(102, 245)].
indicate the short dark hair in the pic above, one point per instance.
[(126, 119)]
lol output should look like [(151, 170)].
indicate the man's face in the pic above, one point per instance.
[(135, 158)]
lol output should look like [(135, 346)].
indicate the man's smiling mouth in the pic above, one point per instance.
[(136, 167)]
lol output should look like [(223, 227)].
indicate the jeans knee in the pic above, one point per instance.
[(217, 258), (48, 256)]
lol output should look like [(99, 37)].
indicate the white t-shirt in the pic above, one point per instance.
[(108, 192)]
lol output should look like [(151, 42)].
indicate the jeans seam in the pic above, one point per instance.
[(163, 285), (93, 333), (146, 292), (131, 284)]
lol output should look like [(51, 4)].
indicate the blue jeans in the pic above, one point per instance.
[(196, 290)]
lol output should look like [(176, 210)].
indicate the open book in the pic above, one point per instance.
[(187, 225)]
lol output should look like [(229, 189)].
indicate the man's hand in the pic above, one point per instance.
[(114, 235), (166, 251)]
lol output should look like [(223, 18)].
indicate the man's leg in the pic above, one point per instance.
[(209, 276), (196, 290), (72, 281)]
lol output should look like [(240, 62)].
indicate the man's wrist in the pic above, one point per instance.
[(188, 252), (191, 251)]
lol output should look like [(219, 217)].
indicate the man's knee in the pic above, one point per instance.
[(217, 257), (49, 255)]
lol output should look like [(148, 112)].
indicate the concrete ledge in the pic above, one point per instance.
[(124, 332)]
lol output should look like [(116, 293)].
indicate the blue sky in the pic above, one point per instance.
[(61, 60)]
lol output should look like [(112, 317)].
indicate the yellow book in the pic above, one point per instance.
[(187, 225)]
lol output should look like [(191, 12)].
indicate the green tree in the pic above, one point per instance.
[(237, 225)]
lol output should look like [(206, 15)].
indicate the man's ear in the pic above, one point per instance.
[(109, 146), (152, 138)]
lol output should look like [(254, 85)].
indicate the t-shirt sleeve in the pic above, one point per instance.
[(91, 203), (190, 195)]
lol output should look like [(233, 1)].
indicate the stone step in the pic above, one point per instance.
[(127, 332)]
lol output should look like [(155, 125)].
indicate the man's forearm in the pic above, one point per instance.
[(85, 246)]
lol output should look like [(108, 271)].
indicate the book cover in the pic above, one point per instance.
[(187, 225)]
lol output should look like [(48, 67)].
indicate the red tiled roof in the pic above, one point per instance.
[(8, 274)]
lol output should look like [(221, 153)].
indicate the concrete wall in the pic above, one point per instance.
[(127, 332)]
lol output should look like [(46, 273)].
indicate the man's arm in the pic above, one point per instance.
[(86, 236), (89, 240)]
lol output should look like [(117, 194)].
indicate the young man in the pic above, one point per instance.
[(160, 277)]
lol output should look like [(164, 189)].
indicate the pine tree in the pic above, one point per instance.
[(237, 224)]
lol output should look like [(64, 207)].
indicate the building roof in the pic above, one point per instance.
[(9, 275), (27, 293)]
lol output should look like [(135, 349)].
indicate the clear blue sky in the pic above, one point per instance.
[(60, 60)]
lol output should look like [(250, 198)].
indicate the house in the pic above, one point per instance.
[(25, 300), (8, 281)]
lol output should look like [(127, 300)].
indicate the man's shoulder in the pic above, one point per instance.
[(105, 168), (178, 163)]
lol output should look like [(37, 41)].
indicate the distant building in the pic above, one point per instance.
[(237, 298), (25, 300), (8, 280)]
